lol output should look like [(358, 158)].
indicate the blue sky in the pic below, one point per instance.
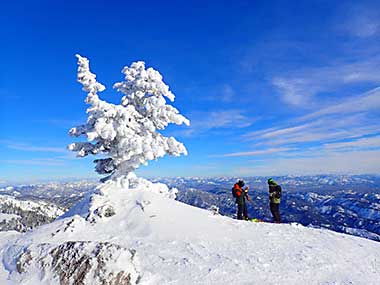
[(270, 87)]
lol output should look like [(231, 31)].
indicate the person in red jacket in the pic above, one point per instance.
[(241, 195)]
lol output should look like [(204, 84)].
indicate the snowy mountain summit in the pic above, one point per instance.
[(132, 231), (140, 235)]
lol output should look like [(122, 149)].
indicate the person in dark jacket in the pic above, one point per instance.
[(274, 200), (241, 195)]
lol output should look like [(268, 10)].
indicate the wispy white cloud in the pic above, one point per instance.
[(352, 118), (294, 91), (361, 143), (300, 88), (202, 122), (34, 161), (63, 123), (70, 155), (258, 152), (320, 135), (329, 162), (365, 102), (221, 93), (360, 20), (343, 137), (29, 148), (356, 63), (276, 132), (364, 27), (227, 93)]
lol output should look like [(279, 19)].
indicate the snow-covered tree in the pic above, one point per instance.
[(127, 134)]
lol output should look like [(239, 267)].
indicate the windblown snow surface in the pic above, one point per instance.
[(168, 242)]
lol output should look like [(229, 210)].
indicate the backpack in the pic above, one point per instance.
[(234, 192), (278, 192)]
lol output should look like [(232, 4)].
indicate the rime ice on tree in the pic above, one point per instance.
[(127, 134)]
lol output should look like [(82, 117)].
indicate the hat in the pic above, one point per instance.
[(271, 181), (240, 183)]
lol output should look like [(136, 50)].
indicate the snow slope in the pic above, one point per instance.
[(42, 207), (147, 237), (8, 217), (23, 215)]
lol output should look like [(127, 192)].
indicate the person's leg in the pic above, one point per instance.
[(245, 211), (276, 213), (240, 211), (273, 210)]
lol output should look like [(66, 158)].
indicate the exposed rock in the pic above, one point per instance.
[(105, 211), (82, 262), (24, 261)]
